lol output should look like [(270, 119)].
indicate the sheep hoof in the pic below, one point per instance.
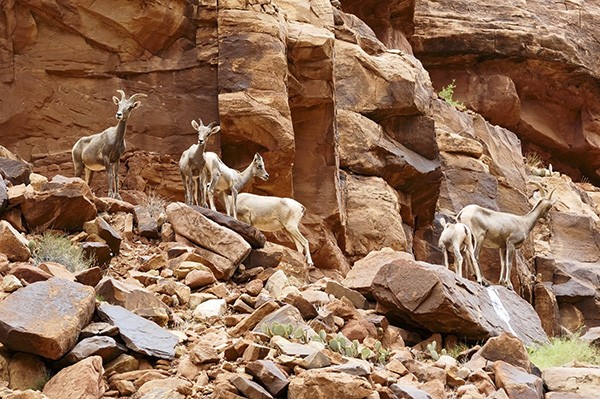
[(485, 283)]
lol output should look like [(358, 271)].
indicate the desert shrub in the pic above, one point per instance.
[(154, 203), (561, 351), (533, 160), (447, 93), (56, 247)]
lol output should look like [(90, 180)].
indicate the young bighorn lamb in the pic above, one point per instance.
[(103, 150), (228, 182), (504, 231), (272, 214), (191, 164), (458, 239)]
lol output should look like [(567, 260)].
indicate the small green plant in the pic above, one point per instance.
[(447, 92), (381, 353), (432, 348), (275, 328), (56, 247), (561, 351)]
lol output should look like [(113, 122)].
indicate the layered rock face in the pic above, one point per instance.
[(344, 126), (530, 66)]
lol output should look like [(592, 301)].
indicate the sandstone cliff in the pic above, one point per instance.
[(341, 105)]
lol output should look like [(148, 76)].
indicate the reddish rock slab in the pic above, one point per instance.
[(83, 380), (63, 204), (252, 235), (197, 228), (517, 383), (318, 383), (66, 307), (269, 375), (129, 296), (13, 244), (29, 273)]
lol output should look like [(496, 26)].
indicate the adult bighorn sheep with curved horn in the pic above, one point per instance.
[(505, 231), (102, 151), (191, 164)]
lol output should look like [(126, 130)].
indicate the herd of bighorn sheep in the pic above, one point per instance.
[(204, 173)]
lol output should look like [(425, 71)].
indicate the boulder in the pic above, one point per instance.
[(16, 171), (57, 270), (583, 381), (339, 291), (105, 347), (67, 307), (192, 225), (99, 252), (249, 388), (269, 375), (507, 348), (129, 296), (318, 383), (360, 277), (91, 276), (100, 227), (29, 273), (139, 334), (27, 371), (437, 299), (13, 244), (210, 310), (147, 226), (517, 382), (62, 204), (83, 380)]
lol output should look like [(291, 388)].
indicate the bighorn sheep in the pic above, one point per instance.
[(226, 181), (504, 231), (102, 151), (458, 239), (191, 164), (272, 214)]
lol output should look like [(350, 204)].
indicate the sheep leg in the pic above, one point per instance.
[(510, 251), (446, 258), (233, 205), (116, 179), (203, 190), (458, 259), (478, 275), (300, 241), (194, 187), (88, 176)]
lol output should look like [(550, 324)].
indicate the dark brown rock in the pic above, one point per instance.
[(105, 347), (63, 204), (91, 276), (147, 226), (99, 252), (507, 348), (252, 235), (129, 296), (249, 388), (15, 171), (100, 227), (269, 375), (517, 382), (29, 273)]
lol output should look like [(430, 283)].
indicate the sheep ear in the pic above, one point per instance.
[(443, 222), (136, 104), (215, 130), (116, 100), (195, 125), (257, 157)]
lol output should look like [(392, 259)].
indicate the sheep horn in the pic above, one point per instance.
[(551, 192), (210, 125), (122, 94), (542, 191), (136, 96)]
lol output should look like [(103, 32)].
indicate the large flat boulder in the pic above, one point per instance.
[(140, 335), (435, 298), (129, 296), (83, 380), (252, 235), (197, 228), (66, 307)]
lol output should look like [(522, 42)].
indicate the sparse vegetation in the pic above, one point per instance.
[(561, 351), (447, 93), (154, 203), (56, 247), (533, 160)]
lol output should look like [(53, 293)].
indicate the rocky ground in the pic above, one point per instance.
[(181, 306)]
